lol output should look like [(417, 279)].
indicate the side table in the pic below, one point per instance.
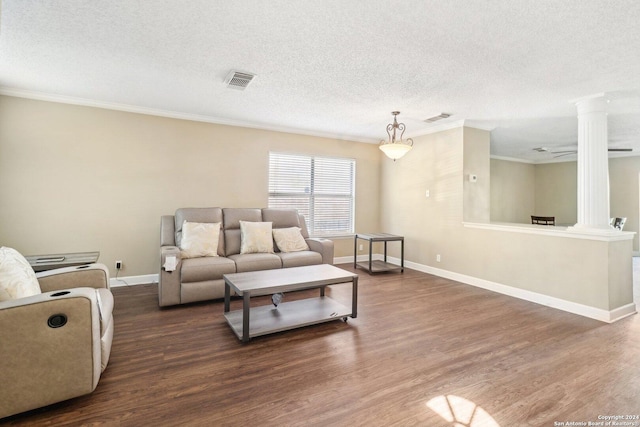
[(378, 266), (51, 261)]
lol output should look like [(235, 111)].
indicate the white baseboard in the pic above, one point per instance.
[(608, 316), (133, 280)]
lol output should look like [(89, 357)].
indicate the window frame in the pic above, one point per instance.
[(313, 196)]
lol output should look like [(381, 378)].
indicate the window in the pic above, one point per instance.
[(320, 188)]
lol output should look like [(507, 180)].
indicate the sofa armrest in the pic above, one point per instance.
[(167, 230), (323, 246), (91, 276), (43, 360), (169, 281)]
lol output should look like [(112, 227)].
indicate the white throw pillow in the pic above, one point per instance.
[(289, 239), (255, 237), (199, 239), (17, 278)]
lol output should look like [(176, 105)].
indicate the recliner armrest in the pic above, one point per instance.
[(46, 359), (169, 281), (322, 246), (90, 276)]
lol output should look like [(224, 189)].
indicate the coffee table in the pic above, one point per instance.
[(255, 321)]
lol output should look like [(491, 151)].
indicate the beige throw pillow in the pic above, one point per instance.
[(289, 239), (199, 239), (17, 278), (255, 237)]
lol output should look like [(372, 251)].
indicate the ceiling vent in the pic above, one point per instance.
[(238, 80), (436, 118)]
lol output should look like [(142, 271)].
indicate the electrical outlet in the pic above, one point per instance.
[(360, 247), (438, 258), (118, 265)]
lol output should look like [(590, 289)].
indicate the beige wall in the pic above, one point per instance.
[(519, 190), (581, 271), (76, 178), (624, 194), (476, 195), (554, 186), (557, 192), (434, 164), (512, 191)]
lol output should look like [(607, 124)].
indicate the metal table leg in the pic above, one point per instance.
[(227, 297), (354, 297), (246, 297), (385, 251), (355, 251)]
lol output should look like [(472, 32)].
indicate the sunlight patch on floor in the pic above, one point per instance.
[(461, 412)]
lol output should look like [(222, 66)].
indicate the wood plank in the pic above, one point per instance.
[(417, 338)]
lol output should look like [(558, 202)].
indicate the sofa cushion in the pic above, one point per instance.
[(253, 262), (17, 278), (289, 239), (299, 259), (198, 215), (206, 268), (281, 218), (199, 239), (231, 226), (255, 237)]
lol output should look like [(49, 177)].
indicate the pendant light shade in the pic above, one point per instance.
[(395, 148)]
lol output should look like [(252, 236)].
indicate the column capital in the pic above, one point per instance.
[(592, 104), (592, 96)]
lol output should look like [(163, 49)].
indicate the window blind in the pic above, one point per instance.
[(320, 188)]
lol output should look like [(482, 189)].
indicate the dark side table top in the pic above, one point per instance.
[(378, 237)]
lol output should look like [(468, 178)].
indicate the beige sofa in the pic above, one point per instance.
[(200, 279), (55, 345)]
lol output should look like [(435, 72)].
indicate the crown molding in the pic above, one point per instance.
[(63, 99), (513, 159)]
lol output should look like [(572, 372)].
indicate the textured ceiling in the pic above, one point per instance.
[(338, 68)]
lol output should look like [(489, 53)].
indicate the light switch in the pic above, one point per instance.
[(426, 193)]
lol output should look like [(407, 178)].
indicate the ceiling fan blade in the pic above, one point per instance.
[(621, 149), (564, 153)]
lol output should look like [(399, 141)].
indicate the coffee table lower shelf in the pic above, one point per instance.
[(268, 319)]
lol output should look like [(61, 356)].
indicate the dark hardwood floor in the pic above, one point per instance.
[(421, 348)]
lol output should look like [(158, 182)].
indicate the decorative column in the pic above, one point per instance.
[(593, 166)]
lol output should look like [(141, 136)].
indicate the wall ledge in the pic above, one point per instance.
[(557, 231)]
